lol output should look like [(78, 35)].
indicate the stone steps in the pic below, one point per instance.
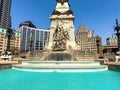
[(62, 67)]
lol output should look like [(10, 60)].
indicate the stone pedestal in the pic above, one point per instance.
[(59, 56), (62, 28)]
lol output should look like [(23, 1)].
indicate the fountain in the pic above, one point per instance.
[(61, 52)]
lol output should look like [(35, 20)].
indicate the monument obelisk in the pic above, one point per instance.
[(62, 27)]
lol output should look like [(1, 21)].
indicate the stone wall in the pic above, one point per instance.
[(5, 66), (114, 67)]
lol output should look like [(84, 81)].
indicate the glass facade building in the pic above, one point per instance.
[(33, 39)]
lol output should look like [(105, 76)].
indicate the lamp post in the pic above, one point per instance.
[(117, 29)]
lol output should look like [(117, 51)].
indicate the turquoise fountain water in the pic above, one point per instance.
[(18, 80)]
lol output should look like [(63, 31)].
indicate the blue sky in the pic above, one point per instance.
[(97, 15)]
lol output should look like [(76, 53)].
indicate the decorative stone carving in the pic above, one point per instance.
[(55, 12), (60, 37)]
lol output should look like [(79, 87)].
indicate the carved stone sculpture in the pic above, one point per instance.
[(60, 38)]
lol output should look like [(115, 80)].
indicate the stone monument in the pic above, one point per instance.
[(61, 39), (62, 28)]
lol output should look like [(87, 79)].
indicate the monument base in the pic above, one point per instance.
[(59, 56)]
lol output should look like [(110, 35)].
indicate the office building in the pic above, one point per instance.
[(111, 41), (85, 40), (28, 24), (5, 18), (14, 42), (33, 39), (111, 46)]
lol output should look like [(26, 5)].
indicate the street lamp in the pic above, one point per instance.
[(117, 29)]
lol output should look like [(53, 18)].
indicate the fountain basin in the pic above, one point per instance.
[(55, 66)]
